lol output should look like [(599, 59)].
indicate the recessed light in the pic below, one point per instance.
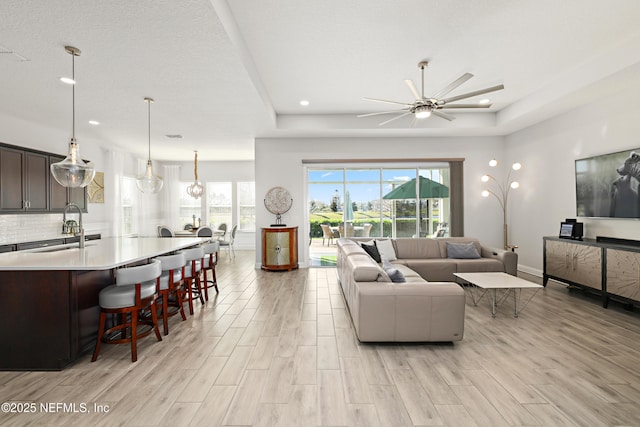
[(67, 80), (484, 101), (304, 102), (94, 122)]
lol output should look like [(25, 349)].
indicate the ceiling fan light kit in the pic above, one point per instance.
[(423, 107)]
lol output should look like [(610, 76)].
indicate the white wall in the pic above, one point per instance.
[(548, 151), (279, 163)]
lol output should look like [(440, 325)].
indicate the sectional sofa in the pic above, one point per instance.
[(424, 303)]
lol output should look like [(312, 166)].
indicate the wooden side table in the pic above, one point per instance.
[(279, 248)]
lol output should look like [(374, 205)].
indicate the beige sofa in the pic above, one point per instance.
[(428, 305)]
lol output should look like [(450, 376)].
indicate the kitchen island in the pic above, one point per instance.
[(49, 297)]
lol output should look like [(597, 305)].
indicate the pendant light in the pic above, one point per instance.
[(196, 189), (73, 171), (148, 182)]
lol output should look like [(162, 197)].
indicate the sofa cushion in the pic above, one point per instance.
[(442, 243), (417, 248), (433, 270), (386, 249), (480, 265), (372, 250), (364, 269), (394, 274), (462, 250)]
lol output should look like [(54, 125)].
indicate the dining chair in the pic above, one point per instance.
[(223, 229), (228, 244), (164, 231), (205, 231)]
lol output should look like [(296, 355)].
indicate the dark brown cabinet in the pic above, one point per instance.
[(27, 186), (24, 178)]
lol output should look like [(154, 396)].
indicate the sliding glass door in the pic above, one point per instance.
[(375, 202)]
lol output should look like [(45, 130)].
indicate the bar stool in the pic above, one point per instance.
[(191, 275), (209, 264), (170, 286), (136, 289)]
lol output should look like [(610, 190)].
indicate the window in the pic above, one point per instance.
[(190, 208), (247, 206), (220, 203), (129, 204)]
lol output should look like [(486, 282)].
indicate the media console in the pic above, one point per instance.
[(609, 267)]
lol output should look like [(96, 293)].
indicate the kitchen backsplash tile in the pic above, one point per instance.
[(27, 228)]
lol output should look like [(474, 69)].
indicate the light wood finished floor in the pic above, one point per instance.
[(278, 349)]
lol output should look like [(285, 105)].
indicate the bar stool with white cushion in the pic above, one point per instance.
[(209, 264), (136, 289), (192, 285), (170, 286)]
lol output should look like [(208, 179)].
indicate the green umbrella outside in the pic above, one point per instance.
[(429, 189)]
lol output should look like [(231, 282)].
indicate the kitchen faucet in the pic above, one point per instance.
[(65, 228)]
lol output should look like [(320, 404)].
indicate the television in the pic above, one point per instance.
[(607, 186)]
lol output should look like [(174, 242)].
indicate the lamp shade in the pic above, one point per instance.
[(73, 171), (149, 182)]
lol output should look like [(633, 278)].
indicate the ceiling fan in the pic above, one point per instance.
[(424, 107)]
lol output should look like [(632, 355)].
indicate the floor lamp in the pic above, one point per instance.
[(501, 192)]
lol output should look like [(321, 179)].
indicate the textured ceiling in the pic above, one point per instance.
[(224, 72)]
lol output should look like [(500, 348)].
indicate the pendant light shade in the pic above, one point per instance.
[(196, 189), (73, 171), (148, 182)]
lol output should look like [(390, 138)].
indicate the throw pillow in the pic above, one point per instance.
[(372, 251), (462, 250), (394, 274), (385, 247)]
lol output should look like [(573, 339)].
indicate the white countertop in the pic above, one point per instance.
[(100, 254)]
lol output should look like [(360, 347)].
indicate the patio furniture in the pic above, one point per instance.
[(328, 233)]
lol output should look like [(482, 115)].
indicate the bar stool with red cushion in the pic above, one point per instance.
[(209, 264), (135, 291), (170, 286), (191, 277)]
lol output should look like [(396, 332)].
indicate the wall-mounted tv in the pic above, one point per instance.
[(607, 186)]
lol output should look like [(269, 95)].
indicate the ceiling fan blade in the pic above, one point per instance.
[(395, 118), (470, 94), (466, 106), (443, 115), (413, 90), (383, 112), (388, 102), (454, 84)]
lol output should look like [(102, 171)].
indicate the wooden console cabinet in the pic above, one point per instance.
[(609, 269), (279, 248)]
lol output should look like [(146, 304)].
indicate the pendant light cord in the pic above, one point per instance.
[(195, 166), (73, 96), (149, 128)]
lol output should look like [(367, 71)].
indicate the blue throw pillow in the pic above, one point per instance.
[(394, 274), (462, 250)]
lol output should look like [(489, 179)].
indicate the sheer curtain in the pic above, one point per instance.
[(170, 200), (114, 172)]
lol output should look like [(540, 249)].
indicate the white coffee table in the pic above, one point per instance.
[(490, 283)]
